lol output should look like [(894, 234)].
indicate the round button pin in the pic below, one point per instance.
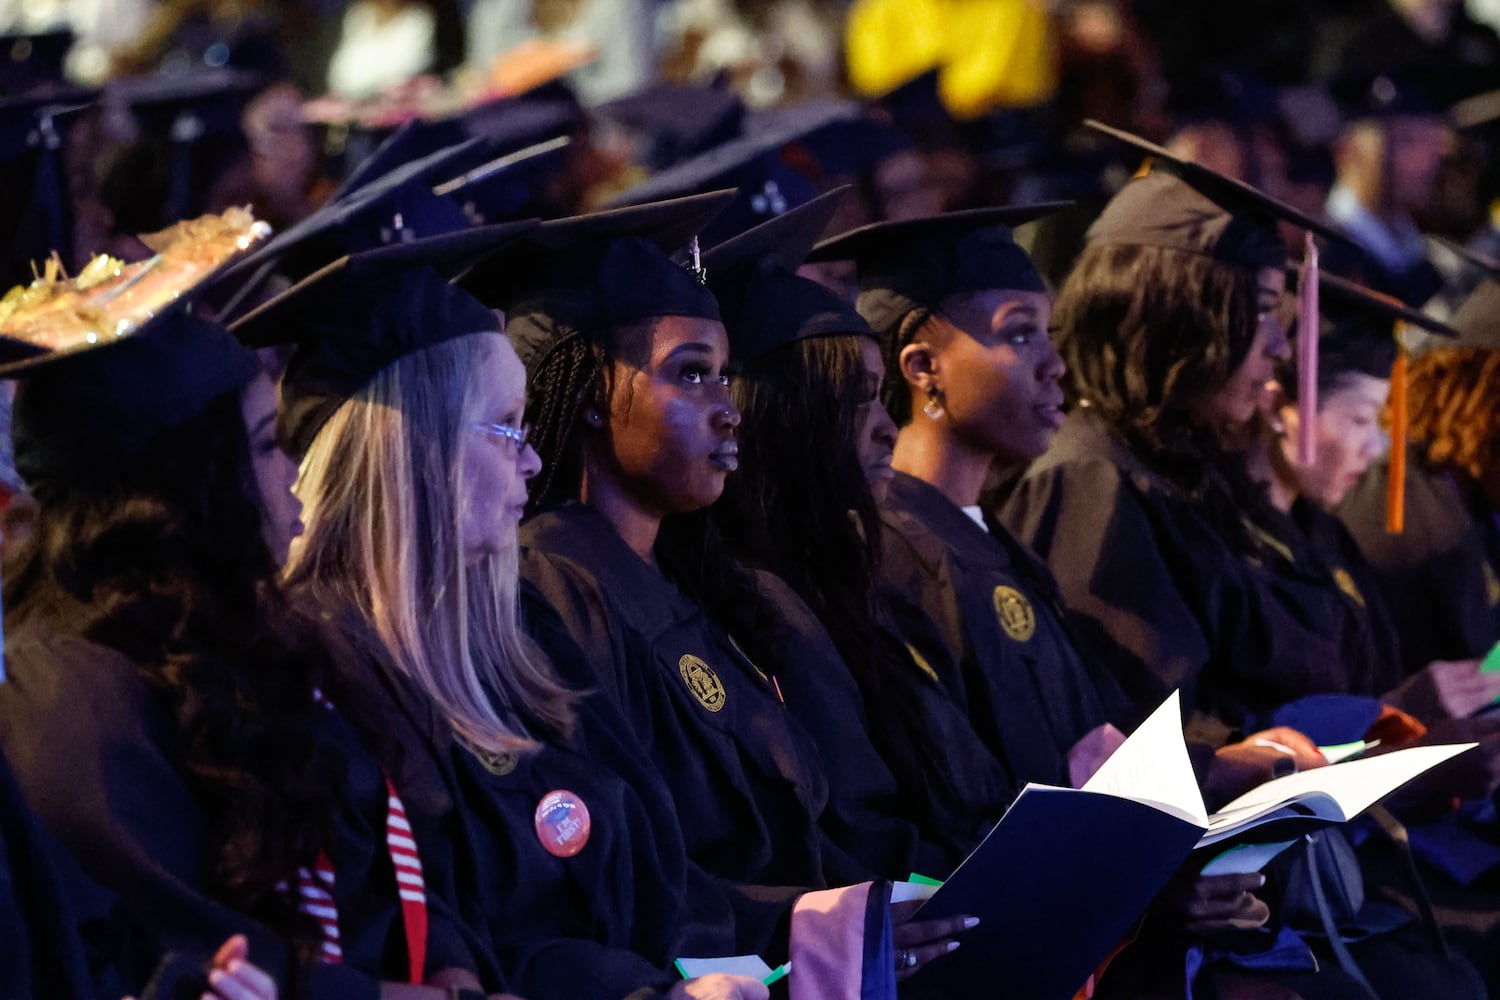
[(562, 823)]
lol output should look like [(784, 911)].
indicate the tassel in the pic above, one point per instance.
[(1307, 358), (1395, 487)]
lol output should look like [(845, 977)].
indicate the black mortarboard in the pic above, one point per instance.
[(759, 164), (1386, 95), (409, 142), (354, 318), (764, 302), (81, 414), (398, 207), (198, 114), (917, 109), (916, 263), (1478, 318), (29, 61), (1185, 206), (586, 275), (35, 209), (670, 122), (1357, 332), (1220, 94)]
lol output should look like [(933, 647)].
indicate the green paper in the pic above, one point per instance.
[(1491, 661), (1343, 751), (923, 880), (777, 974)]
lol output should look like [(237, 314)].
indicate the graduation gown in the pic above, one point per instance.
[(869, 815), (744, 774), (1312, 560), (1441, 576), (93, 748), (1136, 561), (40, 950), (1015, 671)]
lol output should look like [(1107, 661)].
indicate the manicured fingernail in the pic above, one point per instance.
[(953, 945), (970, 922), (1261, 882), (216, 976)]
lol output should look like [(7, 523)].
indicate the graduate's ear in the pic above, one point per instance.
[(919, 365)]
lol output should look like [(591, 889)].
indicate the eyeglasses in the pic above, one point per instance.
[(515, 435)]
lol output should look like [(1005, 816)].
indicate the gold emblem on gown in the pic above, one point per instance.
[(498, 764), (1348, 586), (1016, 615), (1491, 585), (702, 682)]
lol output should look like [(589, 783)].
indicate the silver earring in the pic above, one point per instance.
[(934, 407)]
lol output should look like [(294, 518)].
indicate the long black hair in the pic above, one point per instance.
[(1146, 332), (801, 506), (166, 563)]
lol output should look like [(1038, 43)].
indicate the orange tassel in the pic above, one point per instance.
[(1395, 487)]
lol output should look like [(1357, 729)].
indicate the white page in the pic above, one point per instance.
[(1353, 786), (1246, 858), (902, 892), (749, 966), (1153, 766)]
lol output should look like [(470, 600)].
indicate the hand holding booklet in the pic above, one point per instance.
[(1065, 873)]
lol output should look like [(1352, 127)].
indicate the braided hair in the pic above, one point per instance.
[(576, 373)]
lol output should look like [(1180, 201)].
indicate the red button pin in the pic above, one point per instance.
[(562, 823)]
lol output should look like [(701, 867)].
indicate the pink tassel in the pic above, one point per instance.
[(1307, 358)]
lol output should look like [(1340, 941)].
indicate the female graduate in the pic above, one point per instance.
[(160, 717), (1169, 328), (1441, 573), (814, 448), (409, 410), (634, 425), (1319, 560)]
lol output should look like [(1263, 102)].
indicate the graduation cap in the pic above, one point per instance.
[(757, 163), (589, 274), (198, 113), (670, 122), (1219, 94), (33, 59), (354, 318), (35, 209), (1477, 320), (765, 303), (1358, 331), (1384, 96), (398, 207), (1181, 205), (916, 263), (83, 412)]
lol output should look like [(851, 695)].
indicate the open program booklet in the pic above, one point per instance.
[(1065, 873)]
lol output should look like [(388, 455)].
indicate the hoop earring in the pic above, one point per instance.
[(934, 407)]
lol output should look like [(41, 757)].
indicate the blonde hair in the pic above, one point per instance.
[(381, 490)]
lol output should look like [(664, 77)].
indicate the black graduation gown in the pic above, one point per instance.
[(1136, 561), (744, 775), (1018, 676), (1441, 576), (1313, 562), (92, 746), (605, 923), (40, 951), (868, 814), (609, 921)]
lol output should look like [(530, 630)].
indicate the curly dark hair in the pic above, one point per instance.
[(166, 564), (1146, 332), (1453, 397), (800, 504)]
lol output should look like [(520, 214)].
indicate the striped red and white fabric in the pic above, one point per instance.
[(315, 887)]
